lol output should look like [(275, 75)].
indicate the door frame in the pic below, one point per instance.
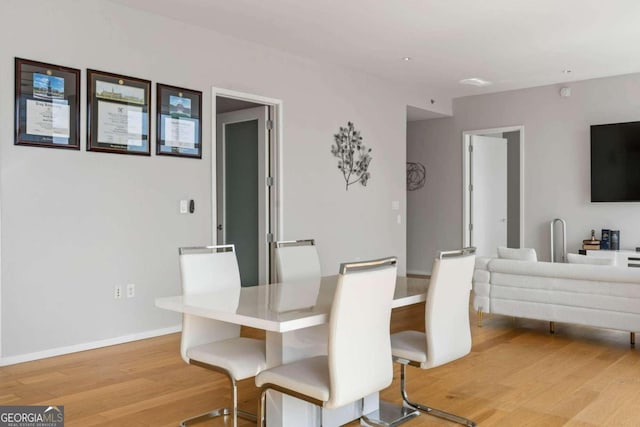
[(466, 179), (275, 214)]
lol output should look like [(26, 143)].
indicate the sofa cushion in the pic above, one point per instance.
[(622, 297), (521, 254), (595, 273), (592, 260)]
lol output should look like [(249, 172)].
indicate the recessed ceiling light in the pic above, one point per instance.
[(475, 81), (406, 58), (566, 71)]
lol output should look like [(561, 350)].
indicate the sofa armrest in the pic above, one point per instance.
[(482, 263), (482, 285)]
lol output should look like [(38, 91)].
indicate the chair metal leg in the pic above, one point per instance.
[(269, 386), (479, 317), (262, 410), (431, 411), (221, 412), (389, 415), (552, 327), (632, 339)]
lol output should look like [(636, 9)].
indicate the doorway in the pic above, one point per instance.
[(493, 188), (246, 181)]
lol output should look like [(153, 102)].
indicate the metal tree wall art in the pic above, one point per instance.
[(353, 156), (416, 175)]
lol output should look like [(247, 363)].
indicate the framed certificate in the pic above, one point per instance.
[(118, 113), (47, 105), (178, 122)]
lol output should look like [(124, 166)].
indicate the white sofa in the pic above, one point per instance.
[(590, 295)]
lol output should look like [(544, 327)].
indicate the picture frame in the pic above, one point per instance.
[(178, 122), (118, 114), (47, 105)]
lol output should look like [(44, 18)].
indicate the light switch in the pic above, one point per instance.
[(395, 205), (184, 206)]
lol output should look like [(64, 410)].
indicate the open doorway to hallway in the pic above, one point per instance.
[(246, 179), (424, 174), (439, 205)]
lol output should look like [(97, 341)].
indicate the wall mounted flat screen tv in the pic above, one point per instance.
[(615, 162)]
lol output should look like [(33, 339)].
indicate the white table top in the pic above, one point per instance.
[(281, 307)]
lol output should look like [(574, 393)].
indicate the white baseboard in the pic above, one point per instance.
[(419, 272), (12, 360)]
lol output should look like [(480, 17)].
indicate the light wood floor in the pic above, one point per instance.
[(516, 375)]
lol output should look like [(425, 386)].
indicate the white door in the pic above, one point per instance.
[(488, 194), (242, 194)]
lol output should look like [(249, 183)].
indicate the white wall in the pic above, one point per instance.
[(434, 204), (74, 223), (557, 158)]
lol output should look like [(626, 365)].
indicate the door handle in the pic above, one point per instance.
[(219, 227)]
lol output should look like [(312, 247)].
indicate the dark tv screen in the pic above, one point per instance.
[(615, 162)]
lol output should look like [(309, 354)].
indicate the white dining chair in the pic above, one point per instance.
[(213, 344), (448, 333), (296, 260), (359, 356)]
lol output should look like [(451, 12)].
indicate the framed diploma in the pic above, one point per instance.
[(47, 105), (118, 114), (178, 122)]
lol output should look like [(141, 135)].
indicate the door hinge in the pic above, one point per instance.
[(470, 227), (269, 181), (270, 238), (470, 187), (470, 148), (269, 124)]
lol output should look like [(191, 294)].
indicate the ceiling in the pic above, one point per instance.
[(512, 43)]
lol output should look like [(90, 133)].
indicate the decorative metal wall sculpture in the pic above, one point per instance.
[(353, 156), (416, 175)]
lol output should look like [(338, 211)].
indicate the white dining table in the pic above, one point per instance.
[(295, 317)]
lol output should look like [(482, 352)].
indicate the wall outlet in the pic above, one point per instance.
[(117, 292), (184, 206), (131, 290)]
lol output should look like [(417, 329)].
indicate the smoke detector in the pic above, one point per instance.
[(565, 92)]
